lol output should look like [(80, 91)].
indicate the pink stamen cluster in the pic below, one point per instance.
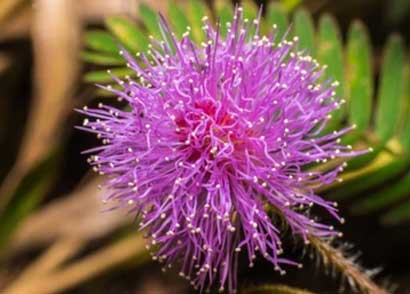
[(215, 144)]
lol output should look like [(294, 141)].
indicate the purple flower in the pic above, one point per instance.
[(215, 148)]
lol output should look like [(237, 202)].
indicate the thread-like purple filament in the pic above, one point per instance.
[(215, 144)]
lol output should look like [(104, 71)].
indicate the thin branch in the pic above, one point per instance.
[(92, 11), (89, 267), (56, 31), (55, 255), (79, 214)]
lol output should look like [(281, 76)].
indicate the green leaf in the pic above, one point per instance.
[(404, 126), (102, 58), (359, 78), (27, 196), (363, 160), (250, 13), (250, 9), (397, 215), (101, 41), (384, 197), (224, 11), (383, 168), (100, 93), (277, 15), (177, 18), (150, 20), (127, 33), (197, 10), (101, 76), (390, 90), (304, 29), (290, 5), (330, 53)]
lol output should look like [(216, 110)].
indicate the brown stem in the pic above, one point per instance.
[(335, 258)]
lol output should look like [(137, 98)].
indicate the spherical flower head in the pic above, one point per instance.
[(218, 141)]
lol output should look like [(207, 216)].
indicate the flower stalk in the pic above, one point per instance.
[(357, 278)]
